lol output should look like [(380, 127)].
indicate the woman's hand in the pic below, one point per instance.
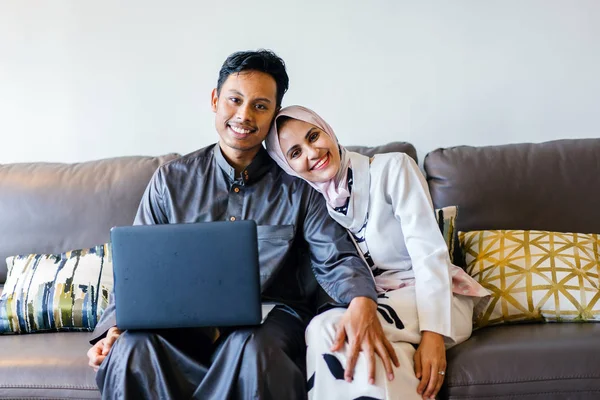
[(362, 328), (430, 364)]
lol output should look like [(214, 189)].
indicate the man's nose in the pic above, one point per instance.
[(244, 112)]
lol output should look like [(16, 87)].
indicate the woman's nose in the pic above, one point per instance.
[(312, 152)]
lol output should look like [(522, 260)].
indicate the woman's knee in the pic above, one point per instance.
[(323, 326), (462, 318)]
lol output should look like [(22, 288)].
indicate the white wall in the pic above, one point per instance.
[(81, 80)]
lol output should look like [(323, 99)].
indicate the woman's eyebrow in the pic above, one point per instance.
[(309, 132), (291, 148)]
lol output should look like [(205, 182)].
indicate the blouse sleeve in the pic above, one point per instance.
[(406, 190)]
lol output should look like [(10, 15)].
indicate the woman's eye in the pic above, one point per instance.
[(314, 136), (295, 154)]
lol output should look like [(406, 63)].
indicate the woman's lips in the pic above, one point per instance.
[(322, 163)]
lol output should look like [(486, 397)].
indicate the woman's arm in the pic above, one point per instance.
[(406, 190)]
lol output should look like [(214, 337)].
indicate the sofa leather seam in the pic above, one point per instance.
[(522, 394), (541, 379), (47, 387)]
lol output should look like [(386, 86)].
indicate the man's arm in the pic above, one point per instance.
[(346, 278), (337, 266), (150, 211)]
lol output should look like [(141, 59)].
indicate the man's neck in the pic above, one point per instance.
[(239, 160)]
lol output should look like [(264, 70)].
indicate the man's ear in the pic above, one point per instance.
[(214, 100)]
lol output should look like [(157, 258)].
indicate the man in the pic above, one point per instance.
[(235, 180)]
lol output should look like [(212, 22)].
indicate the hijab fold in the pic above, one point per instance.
[(335, 191)]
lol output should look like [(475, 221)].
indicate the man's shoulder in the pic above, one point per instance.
[(283, 178), (189, 161)]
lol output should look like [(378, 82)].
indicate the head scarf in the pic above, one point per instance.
[(335, 190)]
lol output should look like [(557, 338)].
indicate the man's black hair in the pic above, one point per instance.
[(261, 60)]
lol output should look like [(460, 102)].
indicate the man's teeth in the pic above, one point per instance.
[(240, 130)]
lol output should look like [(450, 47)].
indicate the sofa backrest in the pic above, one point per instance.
[(544, 186), (53, 208)]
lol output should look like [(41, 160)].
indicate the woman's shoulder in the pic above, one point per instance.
[(386, 159)]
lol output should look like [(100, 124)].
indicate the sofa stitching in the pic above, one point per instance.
[(44, 398), (47, 387), (540, 379), (512, 395)]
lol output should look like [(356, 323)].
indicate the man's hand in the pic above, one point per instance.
[(430, 360), (362, 328), (98, 352)]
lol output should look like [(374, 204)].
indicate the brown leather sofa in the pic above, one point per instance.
[(50, 208), (551, 186)]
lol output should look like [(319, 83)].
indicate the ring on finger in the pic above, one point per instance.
[(442, 372)]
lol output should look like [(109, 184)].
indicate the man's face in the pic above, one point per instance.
[(244, 111)]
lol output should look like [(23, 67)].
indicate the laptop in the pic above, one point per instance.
[(186, 275)]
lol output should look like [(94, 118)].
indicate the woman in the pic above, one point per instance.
[(424, 300)]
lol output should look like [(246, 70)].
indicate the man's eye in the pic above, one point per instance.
[(261, 107), (234, 100), (313, 137)]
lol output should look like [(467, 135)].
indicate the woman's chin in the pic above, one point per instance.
[(319, 177)]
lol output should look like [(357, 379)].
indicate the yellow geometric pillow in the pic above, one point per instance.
[(535, 275)]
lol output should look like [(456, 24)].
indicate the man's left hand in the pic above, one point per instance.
[(362, 328)]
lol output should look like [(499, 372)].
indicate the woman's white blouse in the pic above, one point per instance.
[(402, 235)]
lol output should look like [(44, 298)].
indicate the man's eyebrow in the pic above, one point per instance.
[(264, 99)]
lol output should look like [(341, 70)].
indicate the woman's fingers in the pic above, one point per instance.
[(425, 376), (440, 382), (418, 369), (434, 376)]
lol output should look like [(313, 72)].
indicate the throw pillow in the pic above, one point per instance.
[(446, 218), (62, 292), (535, 275)]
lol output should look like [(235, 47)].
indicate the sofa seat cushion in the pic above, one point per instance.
[(46, 365), (529, 361)]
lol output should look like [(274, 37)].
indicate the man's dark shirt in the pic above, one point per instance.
[(298, 240)]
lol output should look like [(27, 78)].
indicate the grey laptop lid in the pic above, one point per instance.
[(186, 275)]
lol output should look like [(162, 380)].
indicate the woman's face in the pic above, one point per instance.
[(312, 153)]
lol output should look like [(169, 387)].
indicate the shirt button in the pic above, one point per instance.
[(237, 190), (232, 218)]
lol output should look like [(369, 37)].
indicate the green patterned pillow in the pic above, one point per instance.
[(446, 218), (62, 292)]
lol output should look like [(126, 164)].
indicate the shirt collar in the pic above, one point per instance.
[(261, 163)]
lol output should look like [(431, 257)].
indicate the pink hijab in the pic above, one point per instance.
[(335, 190)]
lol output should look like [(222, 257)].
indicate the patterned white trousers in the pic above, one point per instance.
[(397, 312)]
